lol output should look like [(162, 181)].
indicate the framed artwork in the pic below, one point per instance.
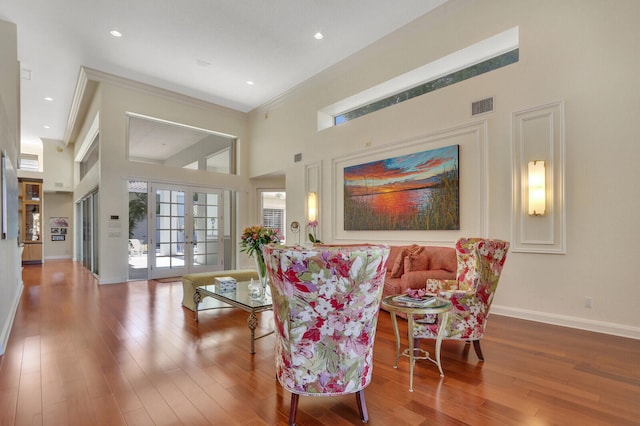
[(418, 191), (59, 222)]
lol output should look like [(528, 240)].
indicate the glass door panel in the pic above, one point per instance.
[(187, 231), (207, 237), (169, 254)]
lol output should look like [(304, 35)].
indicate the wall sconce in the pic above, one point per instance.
[(312, 206), (537, 188)]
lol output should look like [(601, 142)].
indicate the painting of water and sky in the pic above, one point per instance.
[(411, 192)]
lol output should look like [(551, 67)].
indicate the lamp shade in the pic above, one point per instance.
[(537, 188)]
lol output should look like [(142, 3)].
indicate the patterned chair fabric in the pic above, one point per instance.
[(480, 263), (326, 301)]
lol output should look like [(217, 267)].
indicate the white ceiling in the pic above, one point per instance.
[(207, 49)]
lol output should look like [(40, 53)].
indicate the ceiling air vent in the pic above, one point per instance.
[(297, 157), (482, 106)]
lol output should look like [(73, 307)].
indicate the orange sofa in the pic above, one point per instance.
[(410, 266)]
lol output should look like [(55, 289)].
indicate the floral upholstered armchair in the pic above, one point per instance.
[(325, 303), (480, 263)]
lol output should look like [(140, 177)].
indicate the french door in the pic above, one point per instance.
[(87, 231), (185, 229)]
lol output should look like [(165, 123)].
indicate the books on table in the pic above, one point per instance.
[(420, 302)]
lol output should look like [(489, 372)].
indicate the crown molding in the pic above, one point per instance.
[(78, 95), (87, 75)]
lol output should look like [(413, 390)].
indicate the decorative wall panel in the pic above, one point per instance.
[(538, 134)]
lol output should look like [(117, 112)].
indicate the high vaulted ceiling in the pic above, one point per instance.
[(207, 49)]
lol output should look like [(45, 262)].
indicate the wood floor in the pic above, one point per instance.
[(129, 354)]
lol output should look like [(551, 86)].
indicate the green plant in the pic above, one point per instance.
[(137, 209)]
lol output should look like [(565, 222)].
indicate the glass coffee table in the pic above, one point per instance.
[(441, 307), (239, 298)]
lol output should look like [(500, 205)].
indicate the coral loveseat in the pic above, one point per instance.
[(410, 266)]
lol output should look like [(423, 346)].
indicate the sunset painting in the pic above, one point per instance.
[(412, 192)]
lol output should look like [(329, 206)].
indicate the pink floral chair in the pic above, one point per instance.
[(480, 263), (326, 301)]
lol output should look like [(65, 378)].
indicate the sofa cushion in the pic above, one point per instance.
[(418, 279), (442, 258)]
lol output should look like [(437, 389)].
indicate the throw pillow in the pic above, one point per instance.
[(398, 266), (417, 261), (394, 253)]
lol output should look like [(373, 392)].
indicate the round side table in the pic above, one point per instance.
[(440, 307)]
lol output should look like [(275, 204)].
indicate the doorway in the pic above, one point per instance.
[(182, 233), (185, 230)]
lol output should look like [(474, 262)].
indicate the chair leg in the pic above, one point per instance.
[(476, 346), (294, 409), (362, 406)]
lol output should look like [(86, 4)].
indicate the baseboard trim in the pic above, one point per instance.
[(6, 331), (66, 257), (566, 321)]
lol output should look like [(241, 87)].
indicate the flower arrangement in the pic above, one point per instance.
[(254, 237), (313, 225), (251, 242)]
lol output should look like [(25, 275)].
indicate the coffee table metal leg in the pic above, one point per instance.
[(394, 321), (197, 297), (412, 360), (252, 322)]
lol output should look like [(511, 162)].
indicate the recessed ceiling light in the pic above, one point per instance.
[(318, 36), (250, 83), (46, 127), (48, 99), (115, 33)]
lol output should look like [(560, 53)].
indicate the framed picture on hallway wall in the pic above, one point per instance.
[(416, 191)]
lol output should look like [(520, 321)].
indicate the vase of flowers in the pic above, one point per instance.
[(252, 240)]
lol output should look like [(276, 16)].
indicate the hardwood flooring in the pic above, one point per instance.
[(129, 354)]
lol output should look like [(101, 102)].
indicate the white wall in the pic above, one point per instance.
[(10, 258), (57, 162), (578, 52)]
